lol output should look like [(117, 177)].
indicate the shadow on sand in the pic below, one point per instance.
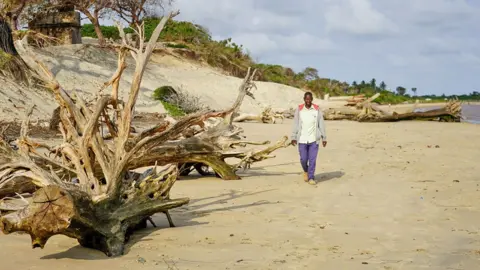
[(182, 217), (323, 177)]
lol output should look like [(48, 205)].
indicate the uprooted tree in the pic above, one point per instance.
[(85, 185)]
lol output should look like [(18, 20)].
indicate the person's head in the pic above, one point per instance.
[(308, 98)]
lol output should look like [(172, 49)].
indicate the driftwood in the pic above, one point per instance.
[(267, 116), (353, 101), (370, 112), (85, 188), (289, 114)]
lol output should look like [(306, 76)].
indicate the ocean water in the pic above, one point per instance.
[(471, 113)]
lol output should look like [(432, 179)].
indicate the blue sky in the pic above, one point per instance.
[(433, 45)]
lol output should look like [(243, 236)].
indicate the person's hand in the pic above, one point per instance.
[(294, 142), (324, 143)]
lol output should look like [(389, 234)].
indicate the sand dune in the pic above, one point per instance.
[(86, 68)]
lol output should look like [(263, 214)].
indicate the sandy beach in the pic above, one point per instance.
[(389, 196)]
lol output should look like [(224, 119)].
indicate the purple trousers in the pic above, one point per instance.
[(308, 157)]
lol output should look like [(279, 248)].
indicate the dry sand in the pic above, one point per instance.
[(384, 200)]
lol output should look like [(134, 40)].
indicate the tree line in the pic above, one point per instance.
[(225, 54)]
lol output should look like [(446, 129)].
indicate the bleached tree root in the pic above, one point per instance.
[(267, 117), (85, 188), (104, 226)]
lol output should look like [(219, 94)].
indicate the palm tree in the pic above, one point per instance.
[(401, 90), (414, 90), (383, 86), (373, 84)]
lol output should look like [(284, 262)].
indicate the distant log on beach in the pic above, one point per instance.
[(367, 111), (267, 117)]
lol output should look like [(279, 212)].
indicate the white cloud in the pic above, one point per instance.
[(303, 43), (357, 17), (256, 43), (426, 44)]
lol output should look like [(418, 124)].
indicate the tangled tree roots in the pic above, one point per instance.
[(85, 187)]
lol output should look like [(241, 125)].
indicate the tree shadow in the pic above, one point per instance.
[(77, 253), (323, 177), (182, 217), (248, 174), (222, 199), (261, 171), (274, 165), (251, 172)]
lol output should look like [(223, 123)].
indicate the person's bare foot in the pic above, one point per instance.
[(312, 182), (305, 177)]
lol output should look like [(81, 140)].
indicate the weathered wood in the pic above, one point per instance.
[(440, 114), (102, 201), (97, 209), (371, 112), (50, 213), (267, 116)]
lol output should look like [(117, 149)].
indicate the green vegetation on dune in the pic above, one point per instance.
[(194, 41), (108, 31), (163, 94)]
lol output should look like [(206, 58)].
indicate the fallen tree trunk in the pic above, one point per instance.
[(245, 117), (371, 112), (267, 117), (289, 114), (443, 115)]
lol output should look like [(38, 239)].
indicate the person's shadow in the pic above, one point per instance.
[(323, 177)]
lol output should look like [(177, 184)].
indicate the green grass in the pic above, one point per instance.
[(387, 97), (88, 30), (173, 110), (161, 94)]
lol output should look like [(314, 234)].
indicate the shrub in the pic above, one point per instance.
[(88, 30), (4, 58), (172, 109), (178, 102), (163, 93), (176, 45), (387, 97)]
